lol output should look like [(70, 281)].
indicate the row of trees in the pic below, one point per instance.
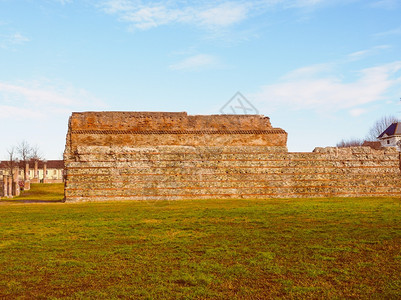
[(377, 128), (22, 152)]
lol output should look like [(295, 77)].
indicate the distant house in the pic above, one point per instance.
[(391, 137), (54, 170)]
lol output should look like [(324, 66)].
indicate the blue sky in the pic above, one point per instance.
[(323, 70)]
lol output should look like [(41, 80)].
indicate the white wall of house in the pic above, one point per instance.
[(391, 141), (50, 174)]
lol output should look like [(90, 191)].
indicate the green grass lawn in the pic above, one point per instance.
[(220, 249), (41, 192)]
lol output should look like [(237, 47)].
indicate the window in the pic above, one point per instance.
[(388, 142)]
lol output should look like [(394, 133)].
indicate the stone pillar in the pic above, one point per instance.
[(16, 188), (16, 173), (10, 186), (27, 180), (44, 171), (5, 185), (35, 173), (15, 182)]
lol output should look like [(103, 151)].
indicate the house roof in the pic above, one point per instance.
[(372, 144), (393, 129), (51, 164)]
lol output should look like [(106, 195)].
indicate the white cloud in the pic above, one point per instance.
[(150, 15), (18, 38), (207, 14), (367, 52), (303, 3), (20, 113), (225, 14), (117, 6), (35, 96), (358, 54), (196, 62), (395, 31), (10, 40), (308, 71), (41, 98), (387, 4), (356, 112), (309, 88), (63, 2)]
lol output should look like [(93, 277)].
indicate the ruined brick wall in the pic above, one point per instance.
[(236, 162), (155, 128)]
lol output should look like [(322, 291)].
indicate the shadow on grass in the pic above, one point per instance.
[(30, 201), (39, 193)]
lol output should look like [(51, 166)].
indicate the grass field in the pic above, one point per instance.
[(257, 249)]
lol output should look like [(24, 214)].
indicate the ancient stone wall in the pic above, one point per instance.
[(257, 165), (155, 129)]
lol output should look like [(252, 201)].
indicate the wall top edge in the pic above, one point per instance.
[(165, 121)]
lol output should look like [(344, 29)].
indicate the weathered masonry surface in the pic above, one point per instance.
[(156, 156)]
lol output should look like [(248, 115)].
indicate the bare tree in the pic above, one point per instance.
[(35, 153), (24, 151), (12, 160), (349, 143), (379, 126)]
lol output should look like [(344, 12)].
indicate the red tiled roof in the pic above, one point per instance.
[(51, 164), (372, 144)]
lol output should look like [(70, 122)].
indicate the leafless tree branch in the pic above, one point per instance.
[(379, 126), (349, 143), (36, 153)]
